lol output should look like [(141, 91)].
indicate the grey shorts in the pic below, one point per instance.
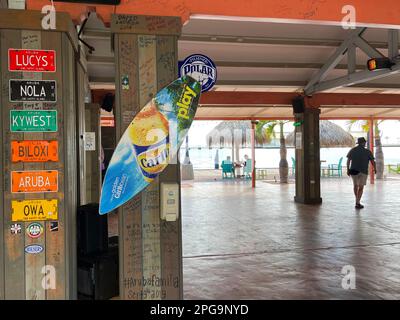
[(360, 179)]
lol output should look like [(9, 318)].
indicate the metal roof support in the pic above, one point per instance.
[(393, 42), (333, 60), (355, 78), (348, 46), (351, 59), (367, 48)]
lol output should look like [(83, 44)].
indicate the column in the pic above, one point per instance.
[(146, 61), (38, 170), (308, 188), (371, 147)]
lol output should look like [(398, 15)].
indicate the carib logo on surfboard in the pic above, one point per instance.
[(149, 142)]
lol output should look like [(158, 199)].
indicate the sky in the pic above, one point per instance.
[(389, 131)]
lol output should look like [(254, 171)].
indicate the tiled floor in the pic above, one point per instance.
[(240, 243)]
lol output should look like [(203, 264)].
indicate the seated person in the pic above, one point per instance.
[(228, 160)]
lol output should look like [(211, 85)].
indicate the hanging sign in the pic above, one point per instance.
[(33, 90), (200, 68), (33, 120), (299, 139), (31, 60), (90, 141), (34, 181), (34, 210), (34, 151)]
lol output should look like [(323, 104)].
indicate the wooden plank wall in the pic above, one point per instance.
[(150, 250), (14, 256), (80, 118), (170, 232), (70, 168), (21, 274), (2, 286), (33, 262)]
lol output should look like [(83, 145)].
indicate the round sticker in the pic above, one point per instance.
[(34, 230), (200, 68), (34, 249)]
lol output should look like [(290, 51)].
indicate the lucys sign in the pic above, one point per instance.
[(200, 68)]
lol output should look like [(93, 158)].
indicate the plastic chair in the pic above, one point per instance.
[(293, 166), (227, 169), (247, 169), (394, 168), (336, 169)]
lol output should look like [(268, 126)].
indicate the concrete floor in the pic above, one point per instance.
[(240, 243)]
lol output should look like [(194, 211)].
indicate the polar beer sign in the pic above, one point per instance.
[(31, 60)]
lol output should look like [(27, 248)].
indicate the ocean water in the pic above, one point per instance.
[(204, 158)]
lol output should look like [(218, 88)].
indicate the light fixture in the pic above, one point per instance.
[(379, 63)]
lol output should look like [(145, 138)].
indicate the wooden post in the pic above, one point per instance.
[(146, 61), (93, 153), (308, 166), (253, 155), (23, 271), (371, 147), (81, 90)]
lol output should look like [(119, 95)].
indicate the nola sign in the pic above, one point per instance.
[(200, 68), (33, 90)]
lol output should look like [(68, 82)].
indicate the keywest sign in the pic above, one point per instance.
[(33, 120)]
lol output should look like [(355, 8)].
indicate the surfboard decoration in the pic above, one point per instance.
[(150, 142)]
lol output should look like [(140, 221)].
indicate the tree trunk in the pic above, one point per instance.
[(237, 149), (283, 164), (380, 162), (233, 151)]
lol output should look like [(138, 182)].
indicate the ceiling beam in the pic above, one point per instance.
[(280, 65), (105, 34), (242, 98), (304, 42), (110, 82), (262, 83), (91, 59)]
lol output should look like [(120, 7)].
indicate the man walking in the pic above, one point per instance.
[(358, 159)]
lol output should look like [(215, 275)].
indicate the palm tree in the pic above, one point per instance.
[(265, 131), (379, 158)]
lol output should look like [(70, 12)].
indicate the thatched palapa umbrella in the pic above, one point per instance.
[(330, 135), (233, 134)]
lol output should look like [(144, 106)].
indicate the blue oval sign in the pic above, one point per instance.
[(200, 68), (34, 248)]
